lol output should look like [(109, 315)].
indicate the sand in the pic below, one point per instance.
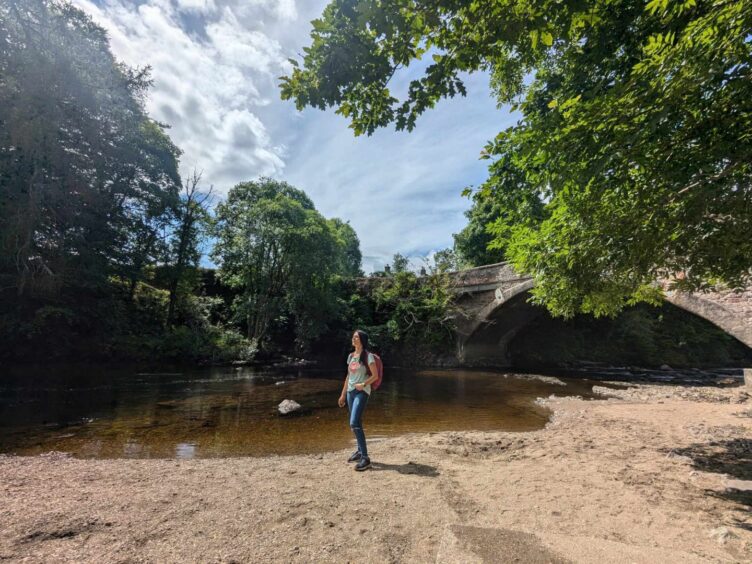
[(647, 474)]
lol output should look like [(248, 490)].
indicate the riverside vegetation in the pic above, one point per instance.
[(101, 240)]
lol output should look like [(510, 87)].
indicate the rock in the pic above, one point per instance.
[(748, 379), (721, 534), (665, 367), (288, 406)]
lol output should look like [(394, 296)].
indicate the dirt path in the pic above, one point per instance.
[(657, 474)]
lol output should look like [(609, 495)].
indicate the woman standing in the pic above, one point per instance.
[(361, 373)]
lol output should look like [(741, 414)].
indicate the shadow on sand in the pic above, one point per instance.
[(732, 457), (409, 468)]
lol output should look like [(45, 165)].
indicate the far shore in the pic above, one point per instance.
[(649, 473)]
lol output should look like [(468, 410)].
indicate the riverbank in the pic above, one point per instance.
[(649, 473)]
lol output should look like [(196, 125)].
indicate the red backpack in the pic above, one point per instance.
[(379, 370)]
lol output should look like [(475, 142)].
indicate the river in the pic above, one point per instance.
[(94, 411)]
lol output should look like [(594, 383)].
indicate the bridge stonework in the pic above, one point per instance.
[(729, 310), (483, 291)]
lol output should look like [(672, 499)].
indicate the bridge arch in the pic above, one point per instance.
[(730, 311), (500, 298), (714, 307)]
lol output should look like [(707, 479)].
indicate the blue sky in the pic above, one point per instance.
[(215, 65)]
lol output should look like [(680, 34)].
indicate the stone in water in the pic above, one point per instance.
[(288, 406)]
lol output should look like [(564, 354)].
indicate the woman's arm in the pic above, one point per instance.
[(374, 374), (371, 379)]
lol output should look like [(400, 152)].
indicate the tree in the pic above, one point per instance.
[(87, 179), (192, 221), (446, 260), (416, 310), (400, 263), (472, 242), (350, 245), (632, 153), (281, 255)]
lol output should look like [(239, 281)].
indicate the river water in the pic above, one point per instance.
[(104, 412)]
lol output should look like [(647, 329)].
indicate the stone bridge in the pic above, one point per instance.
[(492, 301)]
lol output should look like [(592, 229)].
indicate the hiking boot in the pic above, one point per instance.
[(354, 457), (364, 464)]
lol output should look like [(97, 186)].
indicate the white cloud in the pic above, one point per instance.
[(400, 191), (215, 67), (242, 48), (208, 82), (282, 9), (200, 6)]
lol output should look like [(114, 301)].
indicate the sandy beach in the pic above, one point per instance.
[(649, 473)]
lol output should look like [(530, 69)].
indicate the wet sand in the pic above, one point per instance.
[(648, 474)]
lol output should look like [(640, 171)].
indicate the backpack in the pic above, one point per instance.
[(379, 369)]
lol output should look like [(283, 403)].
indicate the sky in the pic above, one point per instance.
[(216, 66)]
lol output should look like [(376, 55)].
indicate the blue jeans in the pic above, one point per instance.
[(356, 404)]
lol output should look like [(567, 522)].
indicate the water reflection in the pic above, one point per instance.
[(185, 450), (96, 412)]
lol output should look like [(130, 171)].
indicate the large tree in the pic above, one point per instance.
[(632, 159), (348, 241), (281, 256), (87, 179)]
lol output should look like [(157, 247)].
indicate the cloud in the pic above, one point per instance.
[(215, 67), (400, 191), (200, 6), (284, 10), (209, 79), (244, 49)]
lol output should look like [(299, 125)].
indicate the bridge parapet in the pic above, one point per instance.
[(488, 277)]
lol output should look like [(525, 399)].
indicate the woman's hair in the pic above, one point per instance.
[(363, 336)]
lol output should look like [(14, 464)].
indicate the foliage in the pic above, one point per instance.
[(118, 325), (87, 179), (446, 260), (415, 309), (503, 203), (400, 263), (631, 160), (282, 256)]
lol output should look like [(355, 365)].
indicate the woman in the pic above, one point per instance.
[(355, 392)]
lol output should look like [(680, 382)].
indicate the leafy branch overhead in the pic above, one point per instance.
[(632, 157)]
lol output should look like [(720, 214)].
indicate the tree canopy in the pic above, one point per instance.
[(282, 257), (87, 179), (631, 160)]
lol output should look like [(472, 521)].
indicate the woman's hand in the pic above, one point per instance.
[(341, 401), (359, 387)]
